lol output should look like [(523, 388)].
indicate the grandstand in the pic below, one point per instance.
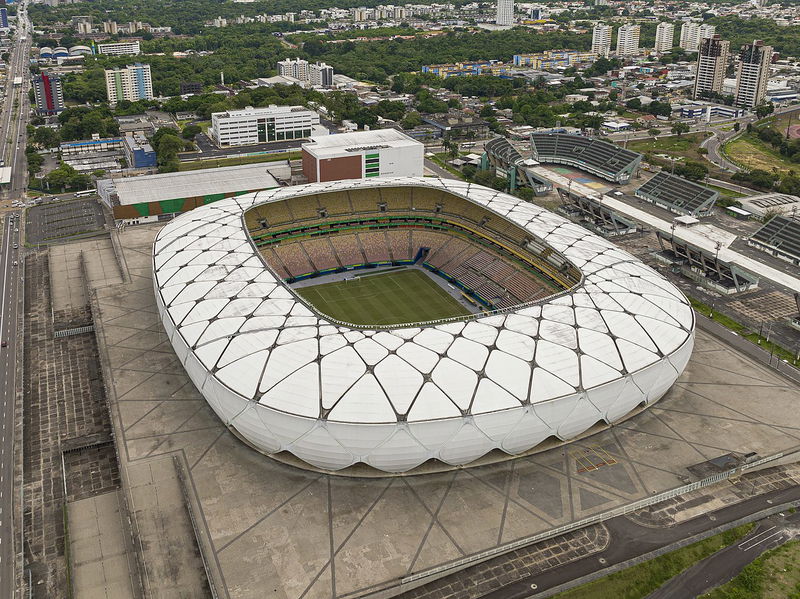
[(678, 195), (488, 258), (703, 266), (780, 236), (600, 158), (505, 158), (595, 215)]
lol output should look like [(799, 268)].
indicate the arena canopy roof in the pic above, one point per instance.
[(286, 378)]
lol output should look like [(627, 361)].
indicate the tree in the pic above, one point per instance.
[(189, 131), (764, 109), (736, 126), (680, 128), (46, 137), (451, 146)]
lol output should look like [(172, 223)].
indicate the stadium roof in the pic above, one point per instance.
[(290, 379), (678, 194), (167, 186), (780, 235)]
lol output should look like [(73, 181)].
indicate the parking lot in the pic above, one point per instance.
[(59, 221)]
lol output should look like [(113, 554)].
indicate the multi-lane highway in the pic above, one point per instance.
[(13, 121), (9, 302)]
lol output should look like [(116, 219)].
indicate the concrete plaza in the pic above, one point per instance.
[(272, 530)]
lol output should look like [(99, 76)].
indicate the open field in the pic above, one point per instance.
[(392, 298), (641, 580), (752, 153), (774, 575), (683, 146)]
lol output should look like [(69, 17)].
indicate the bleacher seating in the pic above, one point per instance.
[(454, 249), (678, 194), (347, 249), (336, 203), (400, 244), (780, 236), (275, 262), (596, 156), (321, 253), (375, 246), (294, 258), (295, 246), (304, 207)]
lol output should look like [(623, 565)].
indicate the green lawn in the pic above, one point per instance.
[(399, 297), (639, 581), (211, 163)]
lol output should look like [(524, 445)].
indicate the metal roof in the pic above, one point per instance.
[(288, 379), (168, 186)]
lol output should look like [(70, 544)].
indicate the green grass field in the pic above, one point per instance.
[(398, 297)]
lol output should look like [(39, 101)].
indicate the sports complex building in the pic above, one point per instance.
[(296, 312), (600, 158)]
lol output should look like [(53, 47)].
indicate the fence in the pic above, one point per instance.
[(554, 532)]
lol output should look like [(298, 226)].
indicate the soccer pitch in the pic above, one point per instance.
[(399, 297)]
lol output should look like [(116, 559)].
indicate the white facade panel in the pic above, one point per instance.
[(333, 396)]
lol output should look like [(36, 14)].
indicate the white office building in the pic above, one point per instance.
[(505, 12), (752, 73), (628, 40), (131, 82), (259, 125), (665, 37), (692, 33), (119, 49)]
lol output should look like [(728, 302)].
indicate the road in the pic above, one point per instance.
[(13, 121), (722, 566), (9, 257), (630, 540)]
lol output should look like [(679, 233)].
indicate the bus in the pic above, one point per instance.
[(84, 193)]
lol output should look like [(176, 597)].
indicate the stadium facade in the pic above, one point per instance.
[(286, 378)]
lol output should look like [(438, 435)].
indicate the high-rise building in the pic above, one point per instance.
[(505, 12), (712, 60), (131, 82), (297, 68), (752, 73), (110, 27), (628, 40), (665, 37), (692, 33), (4, 17), (48, 94), (601, 39), (320, 75), (83, 28)]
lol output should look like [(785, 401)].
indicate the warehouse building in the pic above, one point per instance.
[(151, 198), (258, 125), (363, 154)]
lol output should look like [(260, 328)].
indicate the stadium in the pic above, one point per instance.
[(390, 322)]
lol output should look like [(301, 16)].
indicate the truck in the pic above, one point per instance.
[(17, 81)]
